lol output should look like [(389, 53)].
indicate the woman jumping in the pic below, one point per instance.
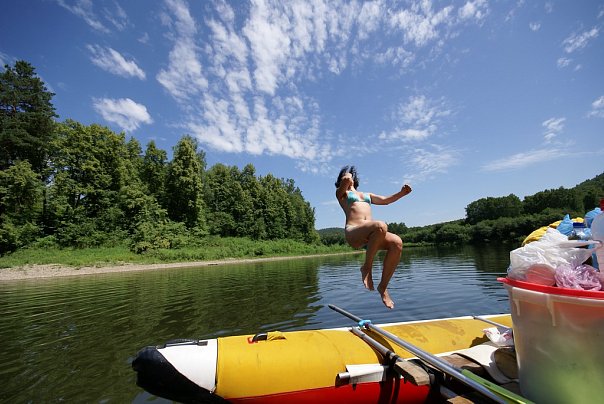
[(362, 231)]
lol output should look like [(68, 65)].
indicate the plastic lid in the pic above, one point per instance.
[(553, 290)]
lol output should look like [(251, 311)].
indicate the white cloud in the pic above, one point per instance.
[(578, 41), (535, 26), (266, 31), (293, 41), (124, 112), (83, 9), (5, 60), (429, 163), (597, 108), (227, 46), (421, 111), (397, 56), (511, 15), (282, 128), (240, 88), (521, 160), (419, 23), (475, 10), (563, 62), (599, 103), (184, 77), (116, 16), (370, 17), (241, 111), (179, 18), (407, 134), (112, 61), (144, 38), (416, 119), (553, 127)]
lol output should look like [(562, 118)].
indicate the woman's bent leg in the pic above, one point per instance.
[(394, 248), (371, 234), (376, 242)]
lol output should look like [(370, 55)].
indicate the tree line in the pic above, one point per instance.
[(499, 219), (72, 185)]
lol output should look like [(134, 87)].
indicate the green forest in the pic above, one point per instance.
[(65, 184)]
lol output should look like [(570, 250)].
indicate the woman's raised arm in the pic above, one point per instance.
[(387, 200)]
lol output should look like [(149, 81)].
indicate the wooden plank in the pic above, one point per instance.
[(412, 373), (462, 362)]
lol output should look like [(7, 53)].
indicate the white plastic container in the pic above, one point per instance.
[(559, 339), (597, 233)]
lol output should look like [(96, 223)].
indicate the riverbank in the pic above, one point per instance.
[(54, 270)]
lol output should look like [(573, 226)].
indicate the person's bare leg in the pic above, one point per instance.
[(391, 260), (376, 240), (370, 234)]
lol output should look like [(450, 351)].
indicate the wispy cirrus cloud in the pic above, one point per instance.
[(579, 40), (563, 62), (474, 10), (597, 108), (525, 159), (112, 61), (420, 24), (416, 120), (573, 43), (183, 78), (124, 112), (257, 64), (553, 127), (111, 15), (552, 149), (430, 161), (5, 60), (116, 16), (270, 42)]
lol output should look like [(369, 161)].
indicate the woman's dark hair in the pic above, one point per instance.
[(348, 169)]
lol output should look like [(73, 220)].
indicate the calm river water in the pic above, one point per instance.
[(73, 339)]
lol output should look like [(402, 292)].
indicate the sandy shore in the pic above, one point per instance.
[(54, 271)]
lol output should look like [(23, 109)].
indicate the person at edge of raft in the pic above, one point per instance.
[(362, 231)]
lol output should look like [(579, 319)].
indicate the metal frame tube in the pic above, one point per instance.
[(426, 357)]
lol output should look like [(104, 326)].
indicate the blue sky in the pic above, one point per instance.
[(461, 99)]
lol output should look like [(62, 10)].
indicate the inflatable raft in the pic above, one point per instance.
[(315, 366)]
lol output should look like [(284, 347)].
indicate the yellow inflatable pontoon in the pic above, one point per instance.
[(316, 366)]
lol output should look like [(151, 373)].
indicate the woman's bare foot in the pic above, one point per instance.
[(386, 297), (367, 277)]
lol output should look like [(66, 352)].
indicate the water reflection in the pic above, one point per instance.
[(73, 339)]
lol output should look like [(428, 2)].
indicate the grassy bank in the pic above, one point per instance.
[(212, 248)]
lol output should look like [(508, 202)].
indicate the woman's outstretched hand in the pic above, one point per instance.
[(406, 189)]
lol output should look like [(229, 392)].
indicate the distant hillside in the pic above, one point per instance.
[(503, 219), (332, 235)]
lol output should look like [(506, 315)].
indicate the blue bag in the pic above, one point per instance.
[(566, 226)]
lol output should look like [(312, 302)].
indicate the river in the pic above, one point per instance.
[(73, 339)]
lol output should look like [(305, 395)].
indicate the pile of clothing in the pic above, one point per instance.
[(563, 254)]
